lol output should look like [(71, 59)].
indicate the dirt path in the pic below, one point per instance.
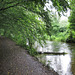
[(14, 60)]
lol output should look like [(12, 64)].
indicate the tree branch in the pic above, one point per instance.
[(9, 7), (10, 2), (1, 1)]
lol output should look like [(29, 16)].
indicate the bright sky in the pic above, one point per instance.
[(51, 8), (66, 17)]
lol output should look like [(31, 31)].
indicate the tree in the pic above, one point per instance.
[(59, 4), (20, 19), (71, 37)]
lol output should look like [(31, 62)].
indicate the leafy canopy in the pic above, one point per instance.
[(24, 20)]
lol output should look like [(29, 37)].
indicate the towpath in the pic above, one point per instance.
[(14, 60)]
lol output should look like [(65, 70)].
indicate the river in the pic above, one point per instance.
[(62, 64)]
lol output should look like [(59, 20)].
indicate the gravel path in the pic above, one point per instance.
[(14, 60)]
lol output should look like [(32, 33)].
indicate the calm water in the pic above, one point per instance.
[(63, 64)]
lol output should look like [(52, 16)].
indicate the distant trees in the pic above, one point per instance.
[(71, 37)]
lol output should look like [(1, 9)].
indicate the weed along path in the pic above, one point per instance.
[(14, 60)]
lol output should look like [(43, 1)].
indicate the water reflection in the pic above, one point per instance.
[(63, 64), (60, 64)]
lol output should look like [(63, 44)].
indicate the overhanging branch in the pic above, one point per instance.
[(9, 7)]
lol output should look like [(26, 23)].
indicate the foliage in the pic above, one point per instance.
[(59, 31), (71, 37), (22, 27), (59, 4), (23, 20)]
